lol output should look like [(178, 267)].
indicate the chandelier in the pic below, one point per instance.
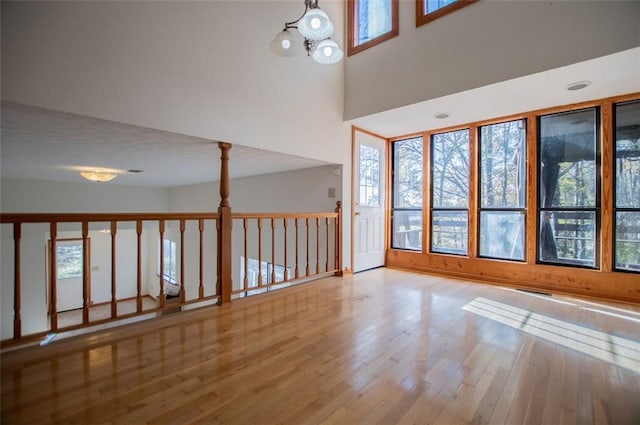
[(316, 28)]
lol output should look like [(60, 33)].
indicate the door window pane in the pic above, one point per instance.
[(369, 176), (502, 234), (69, 260)]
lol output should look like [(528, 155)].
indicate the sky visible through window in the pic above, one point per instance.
[(374, 19), (433, 5)]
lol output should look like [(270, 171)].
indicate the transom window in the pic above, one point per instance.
[(429, 10), (370, 22)]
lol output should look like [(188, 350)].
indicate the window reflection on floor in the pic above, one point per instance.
[(601, 345)]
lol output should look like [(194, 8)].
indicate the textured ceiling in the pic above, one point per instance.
[(41, 144)]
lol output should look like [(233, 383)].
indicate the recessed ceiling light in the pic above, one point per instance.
[(441, 115), (578, 85)]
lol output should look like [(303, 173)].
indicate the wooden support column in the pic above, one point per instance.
[(224, 235), (17, 302)]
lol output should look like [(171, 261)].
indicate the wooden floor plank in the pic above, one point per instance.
[(379, 347)]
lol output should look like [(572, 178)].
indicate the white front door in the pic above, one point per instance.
[(369, 201)]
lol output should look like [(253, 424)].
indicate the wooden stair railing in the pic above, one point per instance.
[(321, 231)]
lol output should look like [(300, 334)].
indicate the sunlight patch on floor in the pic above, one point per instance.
[(601, 345)]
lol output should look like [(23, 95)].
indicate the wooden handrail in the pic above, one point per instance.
[(100, 217), (323, 240), (281, 215), (323, 223)]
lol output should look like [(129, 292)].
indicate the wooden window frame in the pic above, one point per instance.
[(615, 208), (478, 192), (471, 205), (393, 208), (596, 209), (352, 48), (424, 18)]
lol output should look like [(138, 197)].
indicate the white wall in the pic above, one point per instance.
[(32, 196), (303, 190), (197, 68), (484, 43)]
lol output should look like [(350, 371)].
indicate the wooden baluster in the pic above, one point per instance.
[(286, 273), (297, 272), (201, 260), (224, 281), (182, 291), (85, 272), (114, 302), (17, 301), (245, 282), (273, 250), (53, 277), (307, 225), (139, 265), (162, 294), (317, 245), (338, 239), (326, 227), (260, 252)]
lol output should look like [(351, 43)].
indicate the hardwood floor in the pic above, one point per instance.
[(379, 347)]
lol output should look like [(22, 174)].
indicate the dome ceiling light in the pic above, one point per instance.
[(316, 28)]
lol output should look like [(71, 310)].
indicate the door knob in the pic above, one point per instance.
[(357, 213)]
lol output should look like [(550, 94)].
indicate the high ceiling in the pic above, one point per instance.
[(609, 75), (42, 144)]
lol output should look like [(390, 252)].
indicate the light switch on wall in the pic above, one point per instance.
[(332, 192)]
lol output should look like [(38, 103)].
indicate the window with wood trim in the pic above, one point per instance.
[(406, 212), (503, 183), (627, 186), (429, 10), (569, 188), (450, 192), (370, 22)]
